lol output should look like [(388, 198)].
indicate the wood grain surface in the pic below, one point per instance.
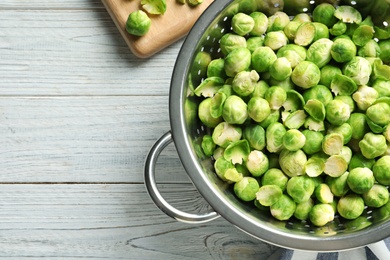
[(165, 29)]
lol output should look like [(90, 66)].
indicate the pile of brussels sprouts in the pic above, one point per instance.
[(299, 113)]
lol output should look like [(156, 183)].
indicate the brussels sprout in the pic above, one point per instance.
[(302, 18), (194, 2), (315, 109), (380, 70), (370, 49), (385, 50), (358, 160), (257, 163), (226, 171), (244, 82), (314, 125), (338, 29), (258, 109), (377, 196), (290, 30), (242, 24), (235, 110), (350, 206), (225, 133), (262, 58), (275, 96), (300, 188), (239, 59), (138, 23), (365, 96), (306, 74), (343, 50), (343, 85), (204, 114), (373, 145), (252, 43), (208, 146), (260, 88), (335, 165), (347, 100), (362, 35), (293, 140), (322, 31), (358, 69), (154, 7), (275, 40), (313, 142), (295, 120), (280, 69), (237, 152), (278, 21), (231, 41), (338, 185), (294, 53), (285, 84), (332, 143), (319, 52), (217, 103), (284, 208), (348, 14), (274, 176), (324, 13), (260, 25), (346, 152), (272, 118), (303, 209), (381, 170), (246, 188), (318, 92), (379, 113), (269, 194), (218, 152), (292, 163), (274, 137), (209, 86), (321, 214), (337, 112), (328, 72), (358, 122), (216, 68), (360, 180), (315, 165), (255, 135), (305, 34), (294, 101)]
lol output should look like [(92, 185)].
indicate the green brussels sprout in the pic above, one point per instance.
[(350, 206), (209, 86), (255, 134), (294, 53), (343, 50), (246, 188), (302, 18), (231, 41), (290, 30), (315, 165), (347, 100), (218, 152), (313, 142), (294, 101), (280, 69), (370, 49), (275, 96), (275, 40), (154, 7), (345, 130), (348, 14), (217, 103), (346, 152), (300, 188), (292, 163), (338, 185), (380, 70), (322, 31), (258, 109), (324, 13), (358, 160), (194, 2), (216, 68), (274, 137), (303, 209), (138, 23), (278, 21), (262, 58), (362, 35), (294, 120), (226, 171), (252, 43), (321, 214), (237, 152), (343, 85), (260, 88), (272, 118), (208, 146), (275, 176), (225, 133), (381, 170), (379, 113), (332, 143), (293, 140), (328, 72), (365, 96), (337, 112), (377, 196), (285, 84), (235, 110), (269, 194), (305, 34), (306, 74), (385, 50), (260, 25), (318, 92), (257, 163), (358, 122), (316, 109), (284, 208), (257, 204), (323, 193), (335, 165), (358, 69), (360, 180), (242, 24), (319, 52), (372, 145), (314, 125), (244, 82), (239, 59), (204, 114), (338, 29)]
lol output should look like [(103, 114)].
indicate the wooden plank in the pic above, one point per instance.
[(114, 222), (77, 52), (50, 4), (83, 139)]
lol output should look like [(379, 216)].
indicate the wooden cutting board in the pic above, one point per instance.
[(165, 29)]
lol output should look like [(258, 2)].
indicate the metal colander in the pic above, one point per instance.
[(187, 131)]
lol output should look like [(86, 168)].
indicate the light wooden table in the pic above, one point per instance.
[(78, 115)]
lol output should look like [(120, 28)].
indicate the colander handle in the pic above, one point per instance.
[(155, 194)]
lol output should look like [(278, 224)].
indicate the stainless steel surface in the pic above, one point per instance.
[(187, 132)]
